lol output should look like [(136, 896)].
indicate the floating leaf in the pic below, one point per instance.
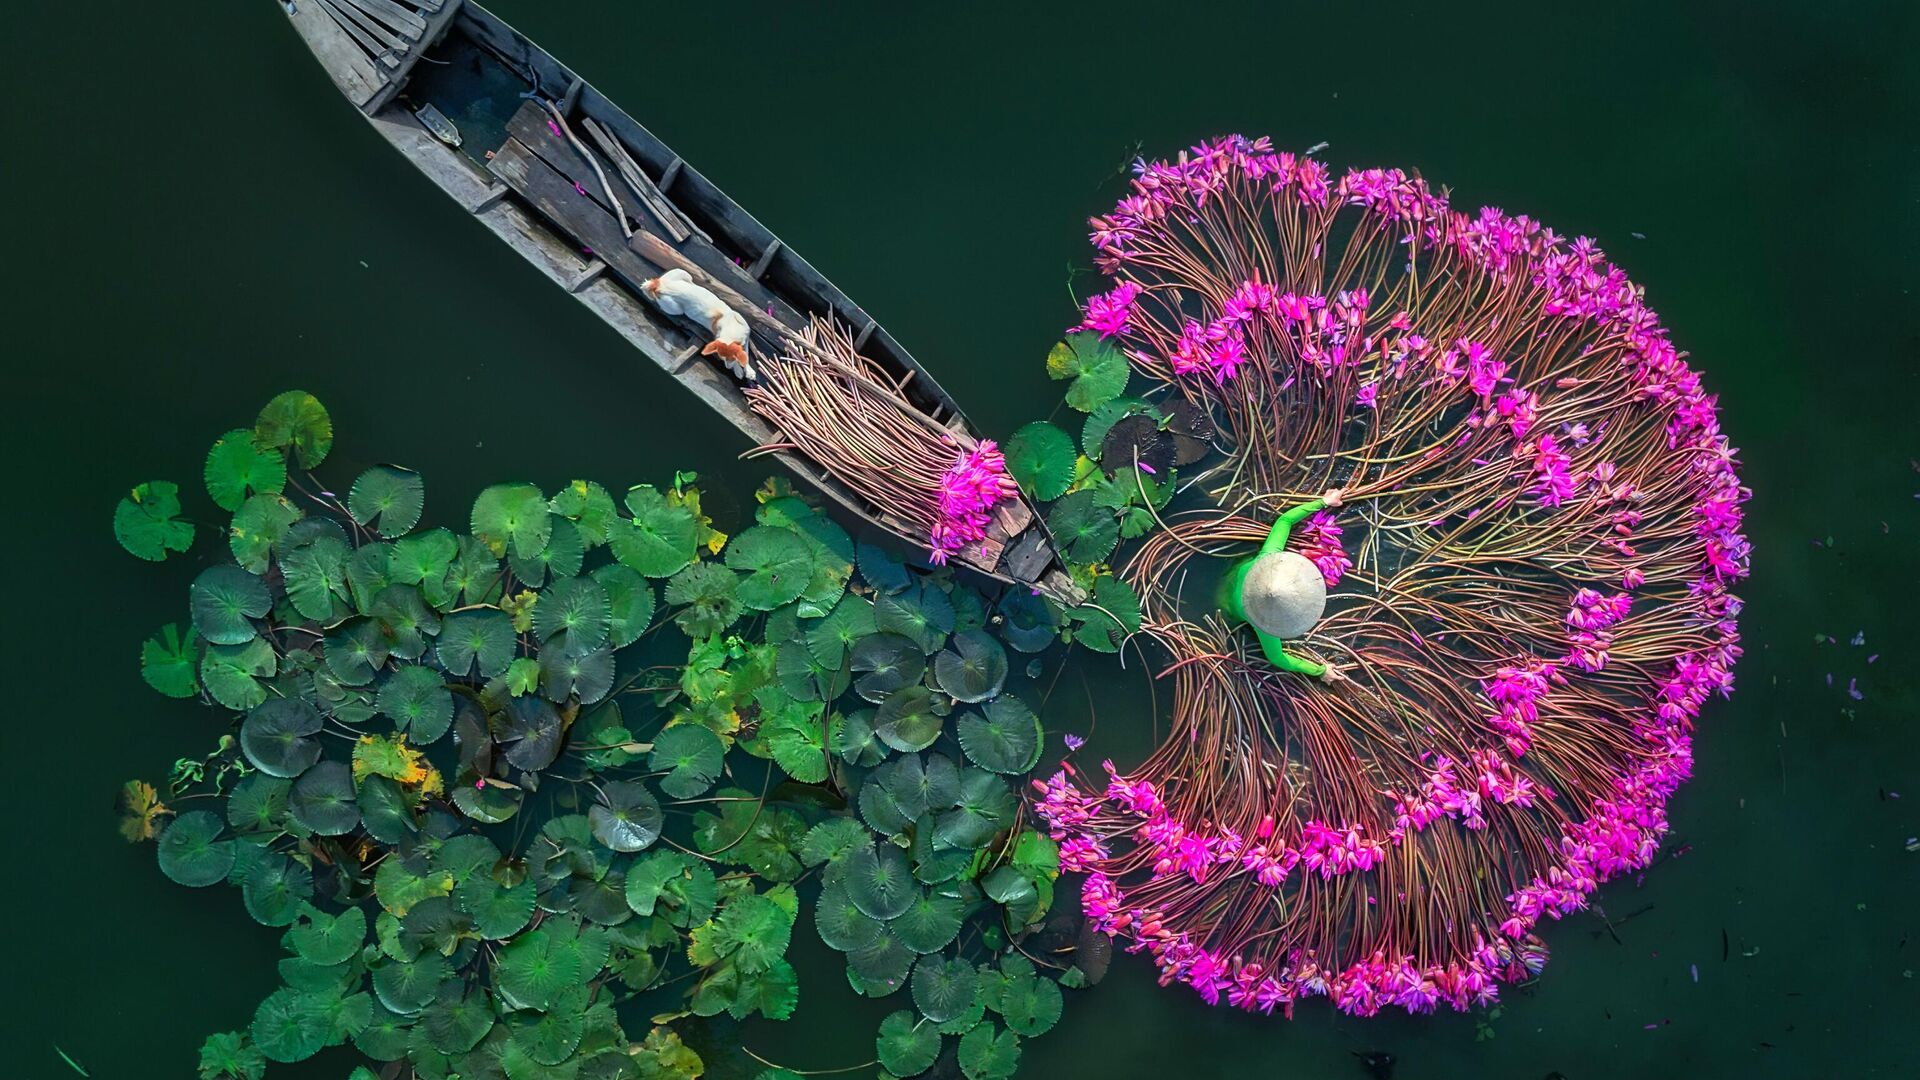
[(627, 818), (777, 563), (355, 651), (512, 517), (534, 968), (589, 507), (982, 808), (676, 886), (579, 607), (458, 1019), (944, 989), (258, 526), (691, 756), (1109, 616), (277, 737), (886, 663), (830, 842), (906, 720), (1027, 620), (851, 738), (385, 1036), (532, 733), (416, 699), (147, 522), (923, 614), (389, 499), (751, 930), (1006, 739), (141, 811), (1134, 445), (879, 882), (229, 1056), (410, 987), (881, 569), (476, 643), (972, 669), (323, 799), (1086, 533), (797, 740), (1098, 370), (191, 853), (930, 922), (315, 572), (498, 911), (274, 890), (1040, 456), (987, 1053), (711, 595), (296, 420), (1030, 1003), (291, 1025), (569, 669), (232, 673), (167, 662), (906, 1045), (830, 639), (629, 603), (236, 468), (658, 539), (840, 922), (423, 559), (329, 939), (224, 600), (881, 967), (386, 809), (562, 557)]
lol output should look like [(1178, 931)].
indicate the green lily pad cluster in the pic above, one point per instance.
[(487, 801)]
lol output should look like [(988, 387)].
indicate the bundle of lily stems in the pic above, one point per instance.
[(844, 412), (1529, 587)]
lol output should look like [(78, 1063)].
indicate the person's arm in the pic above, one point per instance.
[(1279, 657), (1283, 525)]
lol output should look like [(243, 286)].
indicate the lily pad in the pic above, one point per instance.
[(536, 967), (882, 966), (291, 1025), (711, 595), (323, 799), (575, 670), (850, 736), (551, 1037), (498, 911), (1136, 444), (906, 720), (676, 886), (1027, 621), (423, 559), (629, 603), (1040, 456), (389, 499), (355, 651), (258, 804), (1110, 615), (385, 1036), (295, 420), (225, 600), (797, 740), (830, 842), (923, 614), (627, 818), (258, 527), (830, 639), (691, 756), (930, 922), (562, 557), (476, 643), (457, 1020), (579, 607), (987, 1053), (329, 939), (532, 733), (982, 808), (658, 539), (275, 890), (236, 468), (906, 1045), (879, 881), (1030, 1004), (882, 569), (232, 673), (1004, 737), (512, 517), (778, 565), (147, 522), (972, 669), (1086, 533), (277, 737), (1098, 370), (886, 663), (386, 810), (589, 507), (944, 989), (840, 922), (167, 662), (410, 987), (191, 853), (416, 699), (918, 783)]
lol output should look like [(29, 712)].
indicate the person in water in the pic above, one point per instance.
[(1281, 594)]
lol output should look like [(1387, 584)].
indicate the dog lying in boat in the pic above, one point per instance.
[(675, 293)]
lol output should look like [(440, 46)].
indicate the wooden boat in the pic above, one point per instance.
[(563, 176)]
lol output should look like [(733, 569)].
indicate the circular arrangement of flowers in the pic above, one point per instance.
[(1529, 577)]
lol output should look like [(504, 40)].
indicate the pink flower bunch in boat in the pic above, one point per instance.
[(969, 490), (1550, 523)]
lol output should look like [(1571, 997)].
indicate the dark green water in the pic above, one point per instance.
[(198, 221)]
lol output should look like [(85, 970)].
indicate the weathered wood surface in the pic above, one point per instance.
[(375, 40), (433, 28), (405, 20), (342, 57)]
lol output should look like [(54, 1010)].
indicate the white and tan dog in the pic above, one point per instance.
[(675, 293)]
